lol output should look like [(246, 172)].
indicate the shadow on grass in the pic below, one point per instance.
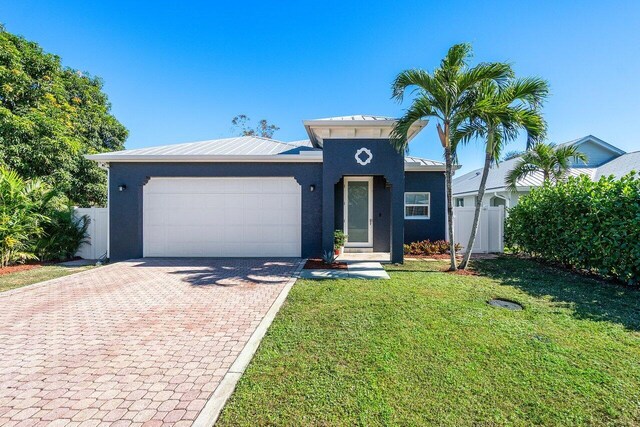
[(589, 298)]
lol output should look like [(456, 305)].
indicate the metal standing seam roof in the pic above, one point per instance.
[(240, 146), (250, 146), (357, 117), (620, 166), (301, 143), (470, 182), (419, 161)]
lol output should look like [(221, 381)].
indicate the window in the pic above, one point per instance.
[(497, 201), (459, 202), (417, 205)]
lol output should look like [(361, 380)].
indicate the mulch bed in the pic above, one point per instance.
[(436, 256), (19, 267), (30, 265), (319, 264)]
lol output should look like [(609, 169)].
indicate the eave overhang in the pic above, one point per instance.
[(319, 130)]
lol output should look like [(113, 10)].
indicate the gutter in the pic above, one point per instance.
[(199, 158), (494, 189)]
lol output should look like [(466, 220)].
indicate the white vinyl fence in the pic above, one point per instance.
[(490, 235), (98, 228)]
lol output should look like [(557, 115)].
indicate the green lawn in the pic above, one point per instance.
[(29, 277), (424, 348)]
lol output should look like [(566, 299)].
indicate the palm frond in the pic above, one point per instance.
[(415, 77), (497, 72), (457, 57), (530, 90), (420, 109), (521, 170), (565, 154)]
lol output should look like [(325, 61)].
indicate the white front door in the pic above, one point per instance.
[(358, 211), (222, 217)]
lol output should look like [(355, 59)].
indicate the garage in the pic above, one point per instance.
[(222, 217)]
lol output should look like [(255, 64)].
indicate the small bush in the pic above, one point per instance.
[(582, 224), (339, 238), (427, 247), (22, 203), (63, 235), (35, 223)]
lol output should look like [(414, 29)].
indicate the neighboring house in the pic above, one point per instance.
[(604, 159), (258, 197)]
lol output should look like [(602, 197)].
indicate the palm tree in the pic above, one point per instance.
[(498, 115), (550, 160), (446, 94)]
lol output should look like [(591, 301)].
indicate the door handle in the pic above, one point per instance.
[(370, 221)]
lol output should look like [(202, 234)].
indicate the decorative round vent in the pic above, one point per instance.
[(503, 303)]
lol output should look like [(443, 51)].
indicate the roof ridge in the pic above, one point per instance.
[(271, 140)]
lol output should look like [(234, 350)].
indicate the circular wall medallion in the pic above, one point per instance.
[(364, 156)]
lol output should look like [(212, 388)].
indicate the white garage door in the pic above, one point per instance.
[(222, 217)]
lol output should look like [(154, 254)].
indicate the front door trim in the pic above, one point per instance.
[(369, 242)]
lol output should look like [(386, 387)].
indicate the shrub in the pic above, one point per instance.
[(427, 247), (22, 203), (63, 234), (582, 224), (34, 223)]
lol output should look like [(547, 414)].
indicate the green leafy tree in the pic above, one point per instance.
[(50, 116), (498, 115), (242, 126), (552, 161), (446, 95)]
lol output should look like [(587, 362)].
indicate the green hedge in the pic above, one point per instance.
[(583, 224)]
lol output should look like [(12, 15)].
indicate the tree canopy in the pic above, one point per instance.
[(50, 116), (242, 125)]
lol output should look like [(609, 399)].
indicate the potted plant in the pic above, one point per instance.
[(339, 238)]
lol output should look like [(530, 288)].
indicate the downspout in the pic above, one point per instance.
[(105, 166)]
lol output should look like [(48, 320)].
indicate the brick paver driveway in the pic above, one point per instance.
[(144, 341)]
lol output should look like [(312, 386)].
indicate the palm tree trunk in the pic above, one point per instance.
[(448, 174), (481, 190)]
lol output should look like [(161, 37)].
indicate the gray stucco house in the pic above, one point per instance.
[(255, 197)]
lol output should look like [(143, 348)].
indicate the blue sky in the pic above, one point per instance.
[(179, 71)]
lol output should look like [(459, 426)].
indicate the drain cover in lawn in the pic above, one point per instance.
[(503, 303)]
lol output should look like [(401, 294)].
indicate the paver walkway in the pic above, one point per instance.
[(143, 342)]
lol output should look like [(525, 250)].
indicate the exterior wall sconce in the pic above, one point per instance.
[(312, 187), (122, 187)]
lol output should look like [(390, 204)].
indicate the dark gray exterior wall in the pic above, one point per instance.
[(125, 208), (433, 228), (339, 161), (381, 213)]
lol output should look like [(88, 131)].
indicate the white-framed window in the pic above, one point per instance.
[(459, 202), (417, 205)]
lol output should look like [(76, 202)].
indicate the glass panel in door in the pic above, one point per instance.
[(358, 211)]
